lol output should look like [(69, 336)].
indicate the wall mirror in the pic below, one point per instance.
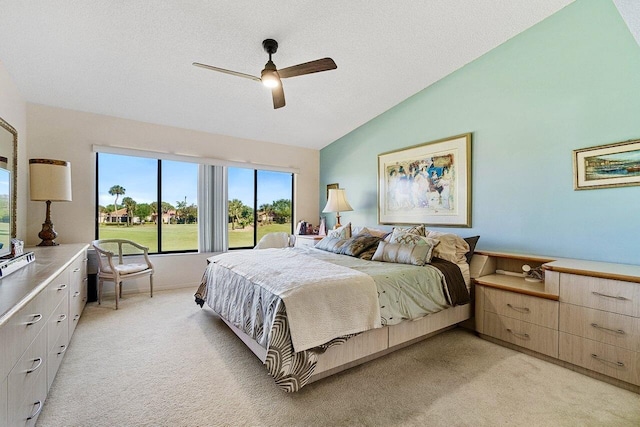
[(8, 183)]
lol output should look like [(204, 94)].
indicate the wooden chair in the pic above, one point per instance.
[(110, 271)]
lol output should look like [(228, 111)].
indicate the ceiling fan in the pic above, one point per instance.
[(270, 75)]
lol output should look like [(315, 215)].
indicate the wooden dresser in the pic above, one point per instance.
[(40, 305), (584, 315)]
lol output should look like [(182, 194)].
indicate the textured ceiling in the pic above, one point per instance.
[(132, 59)]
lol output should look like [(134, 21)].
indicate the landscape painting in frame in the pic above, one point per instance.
[(427, 184), (613, 165)]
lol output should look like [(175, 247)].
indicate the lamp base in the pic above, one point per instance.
[(48, 234)]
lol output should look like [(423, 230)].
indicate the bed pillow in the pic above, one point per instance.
[(472, 242), (358, 244), (343, 232), (403, 254), (374, 232), (416, 229), (368, 253), (331, 244), (451, 247), (408, 238)]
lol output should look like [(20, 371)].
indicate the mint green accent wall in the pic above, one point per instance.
[(571, 81)]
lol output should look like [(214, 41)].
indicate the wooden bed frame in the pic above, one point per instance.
[(375, 343)]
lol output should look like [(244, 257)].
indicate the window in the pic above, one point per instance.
[(157, 202), (260, 202), (129, 189)]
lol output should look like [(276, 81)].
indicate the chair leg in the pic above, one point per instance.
[(118, 289), (100, 291), (151, 285)]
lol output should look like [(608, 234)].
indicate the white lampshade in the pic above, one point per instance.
[(50, 180), (337, 201)]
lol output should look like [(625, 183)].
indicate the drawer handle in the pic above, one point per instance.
[(522, 336), (36, 319), (610, 296), (35, 414), (75, 295), (64, 348), (76, 317), (520, 309), (62, 287), (35, 368), (595, 356), (75, 270), (62, 318), (617, 331)]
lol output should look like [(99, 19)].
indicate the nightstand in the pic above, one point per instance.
[(308, 240)]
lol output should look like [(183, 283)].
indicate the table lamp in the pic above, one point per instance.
[(50, 181), (337, 203)]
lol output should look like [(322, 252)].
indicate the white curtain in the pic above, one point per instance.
[(212, 208)]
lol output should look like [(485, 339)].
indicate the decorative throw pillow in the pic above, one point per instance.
[(416, 229), (358, 244), (367, 254), (373, 232), (452, 247), (331, 244), (343, 232), (408, 238), (403, 254), (472, 242)]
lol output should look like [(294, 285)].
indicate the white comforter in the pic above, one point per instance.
[(319, 306)]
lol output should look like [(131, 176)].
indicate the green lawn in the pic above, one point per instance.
[(181, 237)]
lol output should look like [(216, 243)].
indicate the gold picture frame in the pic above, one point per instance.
[(427, 184), (606, 166)]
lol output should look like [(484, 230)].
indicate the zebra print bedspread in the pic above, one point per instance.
[(262, 316)]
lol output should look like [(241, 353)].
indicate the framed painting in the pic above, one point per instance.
[(427, 184), (604, 166)]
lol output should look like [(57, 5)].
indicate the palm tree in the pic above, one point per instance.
[(130, 204), (117, 191)]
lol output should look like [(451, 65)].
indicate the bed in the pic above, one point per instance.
[(308, 313)]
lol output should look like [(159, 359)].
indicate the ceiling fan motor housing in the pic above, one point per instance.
[(270, 46)]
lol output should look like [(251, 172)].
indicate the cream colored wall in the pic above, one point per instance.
[(13, 109), (62, 134)]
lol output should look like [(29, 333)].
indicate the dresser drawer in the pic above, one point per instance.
[(524, 334), (602, 294), (55, 356), (596, 356), (4, 395), (27, 411), (26, 373), (58, 324), (530, 309), (610, 328), (21, 329), (58, 290)]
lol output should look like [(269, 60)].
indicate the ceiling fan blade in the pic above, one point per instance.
[(278, 96), (222, 70), (324, 64)]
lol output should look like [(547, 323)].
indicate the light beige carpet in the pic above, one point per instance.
[(166, 362)]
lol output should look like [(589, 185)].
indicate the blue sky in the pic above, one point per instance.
[(179, 180)]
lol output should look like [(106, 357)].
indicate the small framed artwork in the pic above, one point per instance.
[(331, 187), (427, 184), (605, 166)]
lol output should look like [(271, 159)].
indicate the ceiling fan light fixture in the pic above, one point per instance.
[(270, 78)]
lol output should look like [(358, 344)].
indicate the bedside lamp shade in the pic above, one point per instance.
[(337, 202), (49, 180)]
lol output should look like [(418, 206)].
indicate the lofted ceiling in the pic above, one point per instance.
[(132, 59)]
